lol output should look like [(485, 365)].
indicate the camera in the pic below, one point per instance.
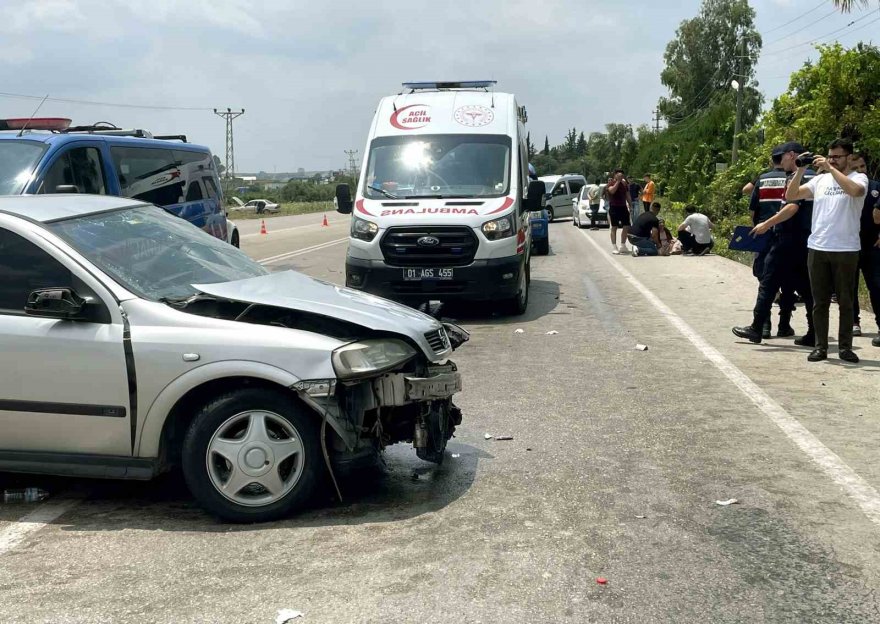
[(804, 160)]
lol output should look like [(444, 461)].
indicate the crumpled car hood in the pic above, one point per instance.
[(296, 291)]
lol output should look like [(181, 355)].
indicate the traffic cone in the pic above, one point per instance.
[(325, 223), (263, 226)]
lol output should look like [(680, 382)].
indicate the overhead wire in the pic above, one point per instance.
[(22, 96), (794, 32), (821, 37), (799, 17)]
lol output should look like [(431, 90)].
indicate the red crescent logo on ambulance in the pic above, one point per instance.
[(411, 117), (359, 204), (508, 202)]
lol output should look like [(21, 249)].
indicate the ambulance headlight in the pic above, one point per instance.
[(363, 229), (499, 228)]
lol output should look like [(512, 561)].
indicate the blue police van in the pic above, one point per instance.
[(47, 155)]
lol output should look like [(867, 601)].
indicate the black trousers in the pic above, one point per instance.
[(785, 268), (689, 243), (869, 264), (833, 271)]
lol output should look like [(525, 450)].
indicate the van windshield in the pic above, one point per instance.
[(18, 159), (447, 165)]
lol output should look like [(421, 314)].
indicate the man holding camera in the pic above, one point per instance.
[(838, 193), (785, 262)]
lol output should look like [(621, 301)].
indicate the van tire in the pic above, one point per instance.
[(550, 215), (281, 413), (517, 305)]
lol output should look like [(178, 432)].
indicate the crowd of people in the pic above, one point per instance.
[(820, 216)]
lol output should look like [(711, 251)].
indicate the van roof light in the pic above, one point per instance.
[(37, 123), (464, 84)]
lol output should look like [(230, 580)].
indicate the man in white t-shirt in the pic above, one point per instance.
[(838, 193), (694, 232)]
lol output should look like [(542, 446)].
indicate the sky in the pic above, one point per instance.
[(309, 75)]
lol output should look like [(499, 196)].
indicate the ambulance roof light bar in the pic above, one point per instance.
[(436, 86), (35, 123)]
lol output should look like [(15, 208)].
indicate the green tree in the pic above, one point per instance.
[(530, 147), (546, 151), (581, 147)]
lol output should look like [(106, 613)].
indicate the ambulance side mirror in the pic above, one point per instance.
[(535, 194), (343, 201)]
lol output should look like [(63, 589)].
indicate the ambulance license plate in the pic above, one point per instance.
[(417, 275)]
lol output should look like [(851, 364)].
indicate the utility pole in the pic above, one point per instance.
[(229, 115), (352, 163), (656, 119), (737, 127)]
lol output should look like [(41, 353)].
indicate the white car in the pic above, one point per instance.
[(131, 341), (581, 212), (232, 236), (561, 190), (260, 206)]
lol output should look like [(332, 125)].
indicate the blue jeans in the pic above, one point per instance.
[(646, 246)]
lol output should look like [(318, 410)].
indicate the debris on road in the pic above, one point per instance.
[(286, 615), (503, 438), (488, 436), (602, 581), (528, 449), (25, 495), (552, 332), (520, 331), (725, 503), (456, 455), (642, 347), (641, 517)]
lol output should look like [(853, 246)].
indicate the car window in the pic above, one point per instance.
[(575, 185), (211, 187), (25, 268), (194, 191), (18, 159), (79, 167), (560, 190), (149, 174)]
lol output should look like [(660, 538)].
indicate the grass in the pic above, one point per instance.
[(286, 210)]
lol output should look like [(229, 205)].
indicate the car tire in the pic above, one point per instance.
[(211, 438), (550, 215), (517, 305), (235, 240), (542, 247)]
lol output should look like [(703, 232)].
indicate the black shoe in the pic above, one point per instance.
[(817, 355), (807, 340), (784, 331), (748, 332), (876, 341), (848, 356)]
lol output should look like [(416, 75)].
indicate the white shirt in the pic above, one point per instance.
[(836, 214), (698, 225)]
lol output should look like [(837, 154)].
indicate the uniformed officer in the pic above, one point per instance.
[(869, 232), (766, 200), (785, 263)]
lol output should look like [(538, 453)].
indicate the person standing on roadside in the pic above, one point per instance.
[(838, 193), (869, 256), (635, 191), (648, 191), (785, 265), (618, 210), (594, 194)]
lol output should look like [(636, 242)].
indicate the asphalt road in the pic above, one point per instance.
[(617, 460)]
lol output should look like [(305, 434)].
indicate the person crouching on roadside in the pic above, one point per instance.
[(695, 232), (645, 233)]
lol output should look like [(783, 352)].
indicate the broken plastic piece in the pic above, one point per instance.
[(25, 495), (504, 437), (456, 455), (602, 581), (487, 436), (641, 517), (552, 332), (725, 503), (519, 331), (286, 615), (642, 347)]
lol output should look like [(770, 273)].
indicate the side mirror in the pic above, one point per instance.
[(534, 196), (59, 303), (66, 188), (344, 205)]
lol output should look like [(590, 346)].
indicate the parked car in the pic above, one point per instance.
[(581, 210), (47, 155), (560, 190), (232, 236), (131, 341), (260, 206)]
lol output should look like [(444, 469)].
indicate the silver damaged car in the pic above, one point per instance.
[(131, 341)]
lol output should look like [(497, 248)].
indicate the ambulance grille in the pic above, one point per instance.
[(455, 246)]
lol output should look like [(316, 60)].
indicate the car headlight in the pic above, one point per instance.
[(370, 357), (363, 229), (499, 228)]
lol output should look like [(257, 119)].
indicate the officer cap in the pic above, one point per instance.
[(790, 146)]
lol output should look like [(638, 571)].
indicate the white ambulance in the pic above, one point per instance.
[(442, 208)]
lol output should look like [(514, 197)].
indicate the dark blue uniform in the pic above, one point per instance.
[(869, 257), (785, 266), (767, 199)]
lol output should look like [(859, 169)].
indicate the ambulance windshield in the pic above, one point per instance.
[(447, 165)]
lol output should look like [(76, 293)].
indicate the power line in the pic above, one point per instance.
[(794, 32), (22, 96), (825, 36), (799, 17)]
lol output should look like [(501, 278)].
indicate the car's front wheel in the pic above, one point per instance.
[(252, 455), (550, 215), (235, 240)]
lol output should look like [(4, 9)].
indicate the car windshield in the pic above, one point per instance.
[(449, 165), (548, 186), (154, 254), (17, 162)]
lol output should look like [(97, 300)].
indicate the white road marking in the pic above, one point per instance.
[(293, 227), (299, 252), (47, 512), (867, 498)]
